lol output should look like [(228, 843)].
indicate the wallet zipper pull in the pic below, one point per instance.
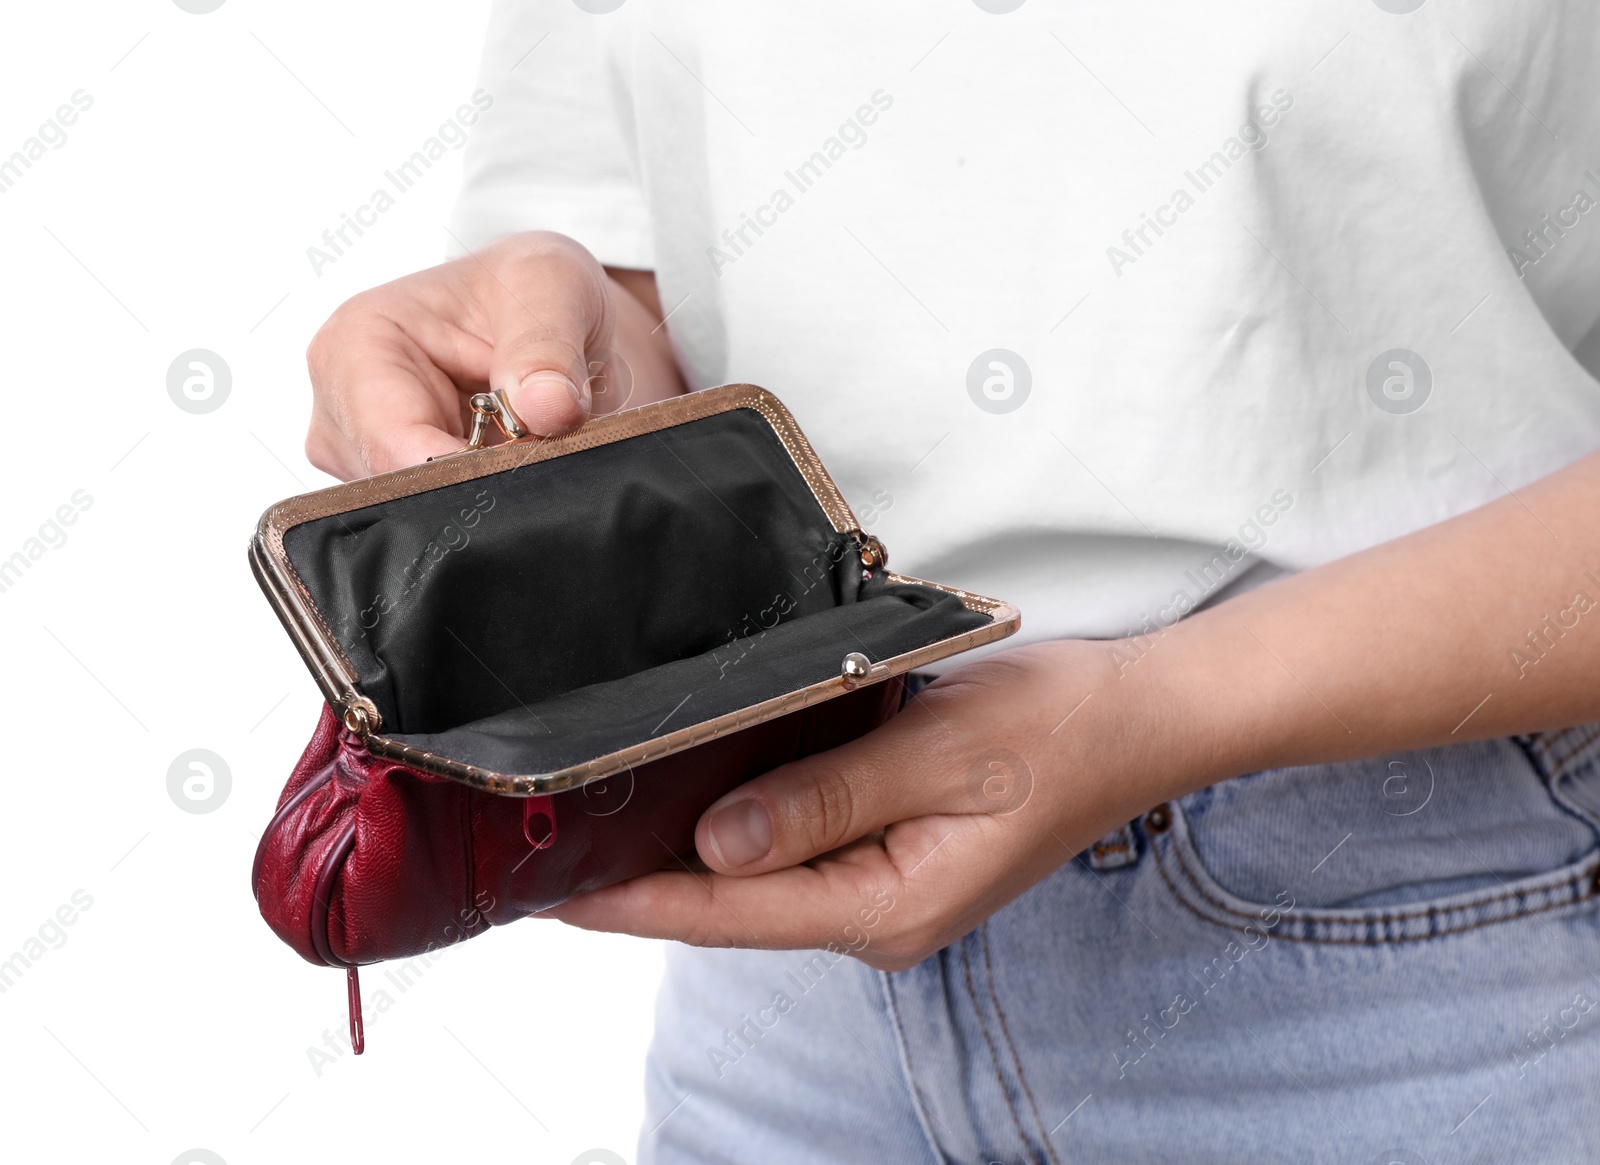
[(544, 807), (358, 1036)]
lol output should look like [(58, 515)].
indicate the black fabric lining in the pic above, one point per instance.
[(561, 610), (576, 726)]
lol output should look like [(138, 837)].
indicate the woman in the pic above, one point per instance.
[(1245, 352)]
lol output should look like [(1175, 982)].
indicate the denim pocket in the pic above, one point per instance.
[(1389, 849)]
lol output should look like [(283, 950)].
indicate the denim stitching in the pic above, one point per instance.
[(994, 1058), (1556, 750), (1559, 762), (1011, 1046), (903, 1046), (1433, 915), (1577, 750), (1386, 917), (1117, 850)]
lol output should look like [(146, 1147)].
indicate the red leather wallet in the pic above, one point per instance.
[(544, 659)]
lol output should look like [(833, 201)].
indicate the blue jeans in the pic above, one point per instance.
[(1390, 960)]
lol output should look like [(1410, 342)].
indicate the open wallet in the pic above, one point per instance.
[(544, 659)]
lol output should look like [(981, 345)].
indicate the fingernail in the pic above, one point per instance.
[(547, 383), (740, 833)]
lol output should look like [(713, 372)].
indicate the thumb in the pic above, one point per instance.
[(549, 305), (820, 803)]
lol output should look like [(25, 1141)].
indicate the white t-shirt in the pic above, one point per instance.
[(1101, 309)]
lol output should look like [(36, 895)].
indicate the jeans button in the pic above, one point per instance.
[(1158, 820)]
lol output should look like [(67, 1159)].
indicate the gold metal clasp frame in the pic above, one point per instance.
[(485, 405)]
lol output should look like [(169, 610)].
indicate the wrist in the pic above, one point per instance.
[(1236, 706), (1126, 717)]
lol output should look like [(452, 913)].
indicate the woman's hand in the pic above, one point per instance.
[(535, 314), (896, 844)]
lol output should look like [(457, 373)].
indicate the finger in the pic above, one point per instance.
[(387, 408), (548, 305), (394, 447), (815, 805), (889, 903), (791, 909), (385, 370)]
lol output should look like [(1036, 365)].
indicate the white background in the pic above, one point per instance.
[(177, 216)]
